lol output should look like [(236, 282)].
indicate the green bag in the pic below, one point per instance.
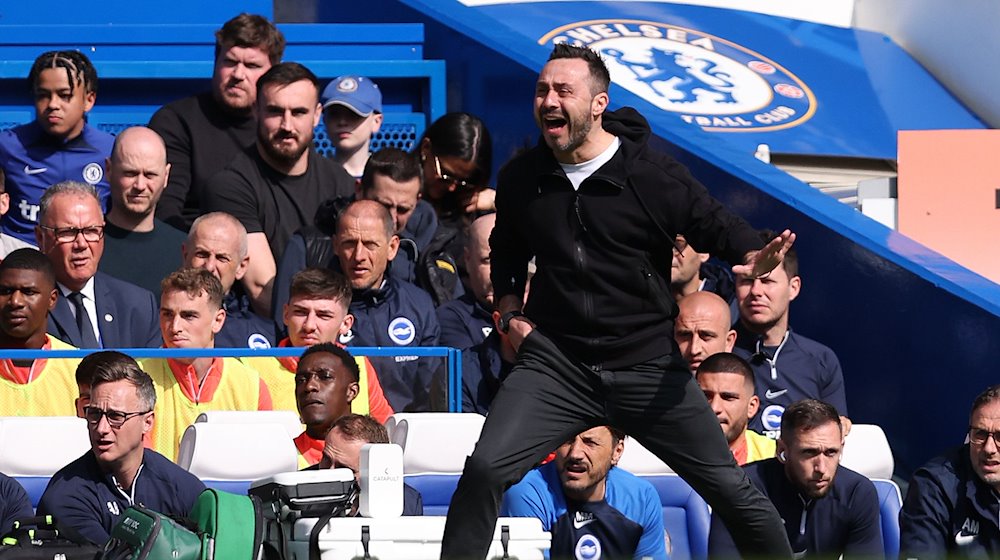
[(143, 534), (232, 524)]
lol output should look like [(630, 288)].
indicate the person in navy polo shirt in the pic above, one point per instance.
[(829, 511), (787, 366)]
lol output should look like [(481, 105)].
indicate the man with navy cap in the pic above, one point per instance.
[(352, 113)]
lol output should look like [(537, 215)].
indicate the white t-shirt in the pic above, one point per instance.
[(577, 172)]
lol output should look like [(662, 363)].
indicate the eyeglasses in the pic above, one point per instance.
[(91, 234), (322, 375), (459, 183), (116, 419), (979, 436)]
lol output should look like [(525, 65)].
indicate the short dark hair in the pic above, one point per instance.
[(599, 75), (28, 258), (344, 355), (806, 415), (791, 260), (284, 74), (727, 362), (466, 137), (616, 435), (79, 69), (989, 395), (194, 281), (114, 366), (320, 283), (396, 164), (360, 427), (251, 31)]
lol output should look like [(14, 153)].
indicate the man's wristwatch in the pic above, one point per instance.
[(504, 322)]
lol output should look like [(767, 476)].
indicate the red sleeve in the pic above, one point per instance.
[(264, 398), (378, 407)]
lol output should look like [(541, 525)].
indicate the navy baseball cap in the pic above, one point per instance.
[(357, 93)]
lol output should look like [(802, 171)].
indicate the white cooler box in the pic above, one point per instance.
[(411, 538)]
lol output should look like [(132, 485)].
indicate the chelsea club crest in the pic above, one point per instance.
[(706, 80)]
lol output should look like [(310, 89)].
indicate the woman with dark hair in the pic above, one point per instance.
[(457, 157)]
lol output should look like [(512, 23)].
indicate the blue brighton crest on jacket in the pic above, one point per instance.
[(707, 80)]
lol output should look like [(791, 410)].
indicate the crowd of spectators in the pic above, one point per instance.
[(219, 225)]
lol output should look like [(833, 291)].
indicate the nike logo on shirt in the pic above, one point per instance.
[(582, 519), (962, 540), (774, 394), (30, 171)]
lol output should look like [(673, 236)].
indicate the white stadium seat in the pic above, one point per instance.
[(220, 453), (434, 442), (867, 451), (41, 445), (286, 418), (33, 448), (640, 461)]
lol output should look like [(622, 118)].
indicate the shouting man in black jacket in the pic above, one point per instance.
[(599, 212)]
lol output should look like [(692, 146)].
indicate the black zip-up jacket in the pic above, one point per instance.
[(603, 253), (949, 512)]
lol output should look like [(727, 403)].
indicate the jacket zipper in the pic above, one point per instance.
[(581, 263)]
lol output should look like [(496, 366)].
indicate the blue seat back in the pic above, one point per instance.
[(890, 501), (435, 489), (685, 517), (34, 486), (239, 487)]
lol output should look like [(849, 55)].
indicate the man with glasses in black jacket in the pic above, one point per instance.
[(951, 506)]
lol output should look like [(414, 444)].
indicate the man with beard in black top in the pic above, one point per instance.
[(275, 187), (600, 211)]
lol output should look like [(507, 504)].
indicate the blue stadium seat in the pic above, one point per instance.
[(435, 489), (685, 514), (890, 501), (399, 130), (33, 448), (685, 517), (430, 467), (142, 66)]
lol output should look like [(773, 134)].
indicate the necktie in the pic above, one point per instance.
[(88, 340)]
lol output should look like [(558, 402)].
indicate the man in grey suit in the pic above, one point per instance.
[(94, 310)]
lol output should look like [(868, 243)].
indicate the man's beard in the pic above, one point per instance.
[(287, 156)]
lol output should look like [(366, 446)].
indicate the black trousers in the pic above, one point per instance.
[(549, 398)]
